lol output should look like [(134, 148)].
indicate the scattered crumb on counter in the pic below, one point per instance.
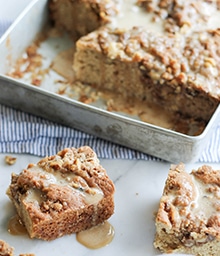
[(6, 249), (27, 254), (10, 160)]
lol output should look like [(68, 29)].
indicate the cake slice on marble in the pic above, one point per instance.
[(188, 219), (63, 194)]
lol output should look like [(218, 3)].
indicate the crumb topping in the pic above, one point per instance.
[(173, 60), (179, 15), (70, 179)]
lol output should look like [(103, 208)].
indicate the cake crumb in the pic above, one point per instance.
[(27, 254), (6, 249), (10, 160)]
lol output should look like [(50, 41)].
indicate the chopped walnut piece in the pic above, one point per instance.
[(10, 160)]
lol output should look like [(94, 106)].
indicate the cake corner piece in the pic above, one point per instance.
[(188, 218), (62, 194)]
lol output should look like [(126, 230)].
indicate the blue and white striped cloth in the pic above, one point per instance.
[(24, 133)]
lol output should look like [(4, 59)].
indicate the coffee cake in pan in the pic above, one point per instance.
[(177, 69)]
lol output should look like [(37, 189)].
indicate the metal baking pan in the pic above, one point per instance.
[(45, 102)]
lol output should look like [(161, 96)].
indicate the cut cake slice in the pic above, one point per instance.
[(188, 219), (62, 194)]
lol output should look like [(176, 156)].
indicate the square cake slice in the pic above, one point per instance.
[(63, 194), (188, 219)]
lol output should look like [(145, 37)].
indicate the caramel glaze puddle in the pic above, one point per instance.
[(15, 226), (96, 237)]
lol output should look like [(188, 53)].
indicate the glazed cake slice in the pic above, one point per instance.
[(179, 74), (188, 219), (79, 17), (62, 194)]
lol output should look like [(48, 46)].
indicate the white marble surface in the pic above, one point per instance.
[(139, 185)]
